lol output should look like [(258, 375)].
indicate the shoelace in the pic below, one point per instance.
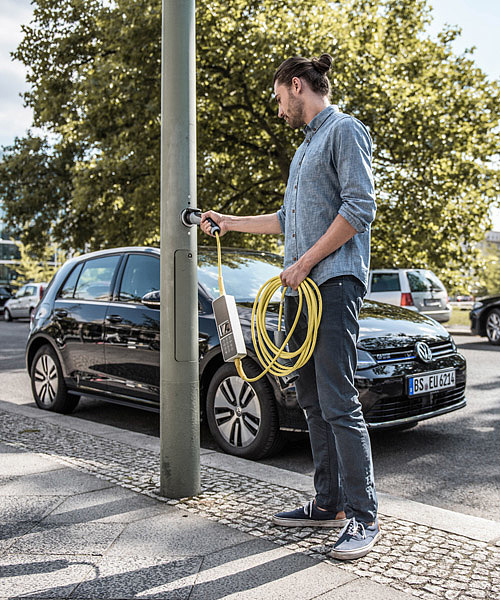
[(353, 527)]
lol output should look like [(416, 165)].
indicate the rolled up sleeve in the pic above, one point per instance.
[(352, 155), (281, 217)]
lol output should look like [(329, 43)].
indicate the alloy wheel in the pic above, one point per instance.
[(493, 327), (46, 379), (237, 411)]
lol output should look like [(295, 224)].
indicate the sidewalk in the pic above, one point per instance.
[(80, 518)]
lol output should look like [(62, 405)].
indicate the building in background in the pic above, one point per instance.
[(10, 255)]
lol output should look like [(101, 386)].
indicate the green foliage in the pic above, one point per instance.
[(95, 86), (34, 266), (488, 272)]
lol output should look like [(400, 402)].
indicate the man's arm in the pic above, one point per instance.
[(339, 232), (256, 224)]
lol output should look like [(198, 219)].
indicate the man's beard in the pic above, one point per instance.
[(295, 113)]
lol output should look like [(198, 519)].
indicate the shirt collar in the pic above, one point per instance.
[(319, 119)]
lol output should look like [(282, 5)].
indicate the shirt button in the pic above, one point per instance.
[(294, 258), (295, 187), (293, 234), (293, 210), (314, 129)]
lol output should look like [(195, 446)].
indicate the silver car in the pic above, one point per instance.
[(416, 289), (23, 303)]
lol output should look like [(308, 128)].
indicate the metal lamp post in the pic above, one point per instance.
[(179, 387)]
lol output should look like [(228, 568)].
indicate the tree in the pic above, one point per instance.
[(95, 69), (37, 267)]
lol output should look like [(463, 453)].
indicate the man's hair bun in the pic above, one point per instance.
[(322, 64)]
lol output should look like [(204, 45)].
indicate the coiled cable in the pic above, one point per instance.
[(271, 357)]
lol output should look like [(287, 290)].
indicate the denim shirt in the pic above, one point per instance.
[(330, 175)]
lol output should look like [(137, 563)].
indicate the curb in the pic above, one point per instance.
[(476, 528)]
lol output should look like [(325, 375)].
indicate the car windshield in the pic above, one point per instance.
[(243, 274), (424, 281)]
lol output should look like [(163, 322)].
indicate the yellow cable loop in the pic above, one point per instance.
[(267, 352)]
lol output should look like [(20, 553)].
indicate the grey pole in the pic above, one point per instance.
[(179, 388)]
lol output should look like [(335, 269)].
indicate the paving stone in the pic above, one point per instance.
[(111, 505), (175, 533), (93, 539), (40, 576), (11, 532), (26, 508), (51, 483), (364, 588), (126, 577), (259, 569), (24, 463)]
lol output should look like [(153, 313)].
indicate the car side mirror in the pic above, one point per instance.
[(151, 299)]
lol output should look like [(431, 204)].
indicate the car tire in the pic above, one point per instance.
[(243, 417), (6, 315), (493, 326), (47, 383)]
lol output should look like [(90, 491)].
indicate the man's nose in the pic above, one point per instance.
[(281, 113)]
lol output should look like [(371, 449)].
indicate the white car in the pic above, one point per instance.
[(23, 303), (416, 289)]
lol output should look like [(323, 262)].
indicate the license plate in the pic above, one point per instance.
[(428, 302), (431, 382)]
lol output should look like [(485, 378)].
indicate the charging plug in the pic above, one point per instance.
[(285, 380)]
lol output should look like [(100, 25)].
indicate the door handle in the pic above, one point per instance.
[(114, 318), (61, 313)]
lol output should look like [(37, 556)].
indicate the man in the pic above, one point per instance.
[(326, 215)]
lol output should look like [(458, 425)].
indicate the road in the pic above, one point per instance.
[(450, 461)]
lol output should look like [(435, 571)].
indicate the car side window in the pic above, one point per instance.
[(141, 275), (385, 282), (30, 290), (21, 292), (68, 287), (96, 278)]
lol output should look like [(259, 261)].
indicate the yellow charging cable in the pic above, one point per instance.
[(267, 352)]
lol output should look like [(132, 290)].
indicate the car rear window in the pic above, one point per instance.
[(68, 288), (96, 278), (385, 282), (424, 281)]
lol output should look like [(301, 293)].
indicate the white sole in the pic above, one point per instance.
[(336, 523), (353, 554)]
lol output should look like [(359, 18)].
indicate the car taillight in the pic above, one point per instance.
[(406, 299), (41, 292)]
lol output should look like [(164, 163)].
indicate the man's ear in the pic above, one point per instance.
[(296, 85)]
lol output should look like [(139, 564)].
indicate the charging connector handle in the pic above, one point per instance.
[(192, 216)]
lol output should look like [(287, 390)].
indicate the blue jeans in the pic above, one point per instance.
[(343, 469)]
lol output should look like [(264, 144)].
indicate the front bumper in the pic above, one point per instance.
[(384, 398)]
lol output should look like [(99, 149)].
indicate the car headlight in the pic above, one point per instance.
[(477, 305), (365, 360)]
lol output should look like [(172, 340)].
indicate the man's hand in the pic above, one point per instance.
[(294, 275), (216, 218)]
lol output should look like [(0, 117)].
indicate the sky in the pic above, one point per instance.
[(479, 20)]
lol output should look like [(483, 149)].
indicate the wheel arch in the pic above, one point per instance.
[(35, 344)]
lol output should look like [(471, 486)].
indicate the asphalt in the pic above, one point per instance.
[(81, 517)]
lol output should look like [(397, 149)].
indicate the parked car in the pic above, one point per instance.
[(23, 303), (415, 289), (485, 318), (97, 333), (5, 294)]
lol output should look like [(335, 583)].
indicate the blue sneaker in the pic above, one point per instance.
[(309, 516), (355, 540)]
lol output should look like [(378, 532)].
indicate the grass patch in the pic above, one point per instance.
[(459, 317)]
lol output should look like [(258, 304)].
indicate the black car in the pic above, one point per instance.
[(97, 333), (485, 318), (4, 296)]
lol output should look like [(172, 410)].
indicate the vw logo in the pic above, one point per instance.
[(423, 352)]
